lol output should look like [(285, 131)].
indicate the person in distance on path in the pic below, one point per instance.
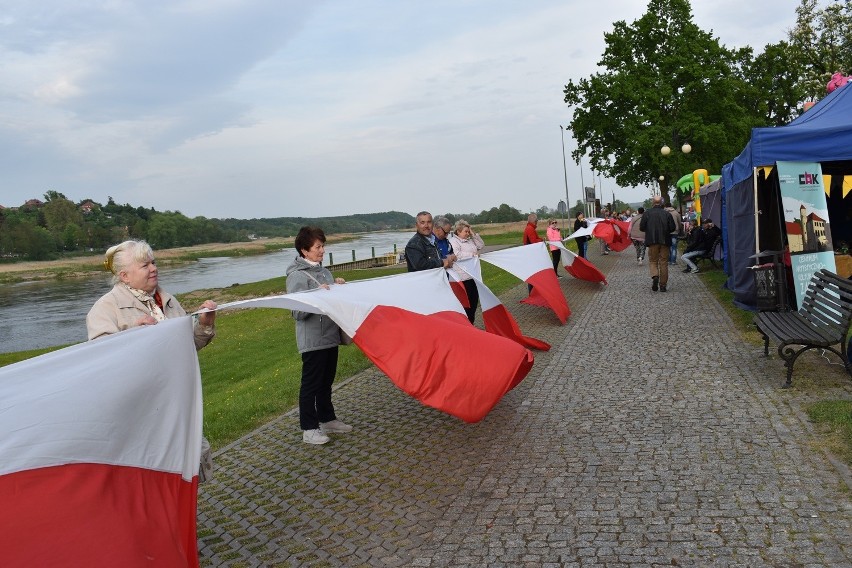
[(658, 225), (553, 234)]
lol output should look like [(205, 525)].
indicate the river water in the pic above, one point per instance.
[(49, 313)]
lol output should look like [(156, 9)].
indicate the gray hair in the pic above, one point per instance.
[(460, 224), (122, 255), (532, 217), (441, 222)]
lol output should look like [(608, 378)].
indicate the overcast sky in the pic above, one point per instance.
[(268, 108)]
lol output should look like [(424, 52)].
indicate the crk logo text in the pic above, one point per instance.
[(808, 179)]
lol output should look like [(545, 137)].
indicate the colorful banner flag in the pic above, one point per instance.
[(805, 221)]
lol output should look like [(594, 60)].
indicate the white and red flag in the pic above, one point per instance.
[(579, 267), (532, 264), (414, 329), (495, 316), (99, 451), (587, 231), (614, 233)]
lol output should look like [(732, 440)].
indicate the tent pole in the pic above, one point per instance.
[(756, 213)]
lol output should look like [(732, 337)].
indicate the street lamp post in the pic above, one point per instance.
[(565, 172), (665, 151)]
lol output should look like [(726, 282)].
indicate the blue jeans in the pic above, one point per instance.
[(673, 250), (687, 258)]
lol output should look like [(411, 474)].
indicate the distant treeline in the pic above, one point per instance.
[(57, 226)]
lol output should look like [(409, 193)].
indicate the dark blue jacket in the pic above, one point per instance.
[(420, 254)]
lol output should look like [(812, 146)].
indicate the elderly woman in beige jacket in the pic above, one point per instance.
[(136, 298)]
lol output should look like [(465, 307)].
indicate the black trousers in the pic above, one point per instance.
[(318, 370), (472, 298), (556, 254)]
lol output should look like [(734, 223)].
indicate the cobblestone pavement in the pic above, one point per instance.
[(635, 441)]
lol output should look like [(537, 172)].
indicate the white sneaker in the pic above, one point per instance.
[(335, 427), (315, 436)]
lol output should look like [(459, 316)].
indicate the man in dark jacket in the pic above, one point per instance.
[(421, 253), (658, 225), (703, 242)]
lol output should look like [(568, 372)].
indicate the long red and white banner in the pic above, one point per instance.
[(99, 451), (532, 264), (495, 316), (413, 328)]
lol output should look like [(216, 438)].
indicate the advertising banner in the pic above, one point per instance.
[(805, 221)]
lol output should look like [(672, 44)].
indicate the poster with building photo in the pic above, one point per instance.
[(805, 221)]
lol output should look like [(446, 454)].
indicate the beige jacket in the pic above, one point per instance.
[(119, 309)]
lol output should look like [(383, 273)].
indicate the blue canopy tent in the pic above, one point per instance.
[(822, 134)]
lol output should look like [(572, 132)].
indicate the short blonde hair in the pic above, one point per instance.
[(460, 224), (120, 256)]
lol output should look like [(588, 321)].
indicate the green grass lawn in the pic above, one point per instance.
[(833, 418)]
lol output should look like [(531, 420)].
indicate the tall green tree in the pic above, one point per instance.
[(774, 80), (666, 82), (60, 212), (821, 43)]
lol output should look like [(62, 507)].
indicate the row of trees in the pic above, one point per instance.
[(43, 230), (58, 226), (39, 231), (666, 81)]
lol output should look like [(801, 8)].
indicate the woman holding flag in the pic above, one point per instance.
[(466, 244), (317, 338)]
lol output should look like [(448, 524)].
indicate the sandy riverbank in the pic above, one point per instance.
[(85, 265)]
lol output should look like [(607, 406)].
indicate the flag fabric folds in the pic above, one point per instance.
[(614, 233), (585, 231), (579, 267), (99, 450), (495, 316), (459, 291), (532, 264), (414, 329)]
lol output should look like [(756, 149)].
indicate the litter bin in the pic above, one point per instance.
[(766, 287), (770, 282)]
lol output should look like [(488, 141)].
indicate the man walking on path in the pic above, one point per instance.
[(637, 236), (676, 233), (658, 225)]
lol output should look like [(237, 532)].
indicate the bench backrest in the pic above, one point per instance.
[(828, 301), (717, 242)]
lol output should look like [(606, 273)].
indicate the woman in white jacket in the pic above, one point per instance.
[(466, 244)]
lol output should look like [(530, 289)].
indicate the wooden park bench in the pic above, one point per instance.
[(710, 254), (821, 323)]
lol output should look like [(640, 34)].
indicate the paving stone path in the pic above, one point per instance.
[(651, 434)]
